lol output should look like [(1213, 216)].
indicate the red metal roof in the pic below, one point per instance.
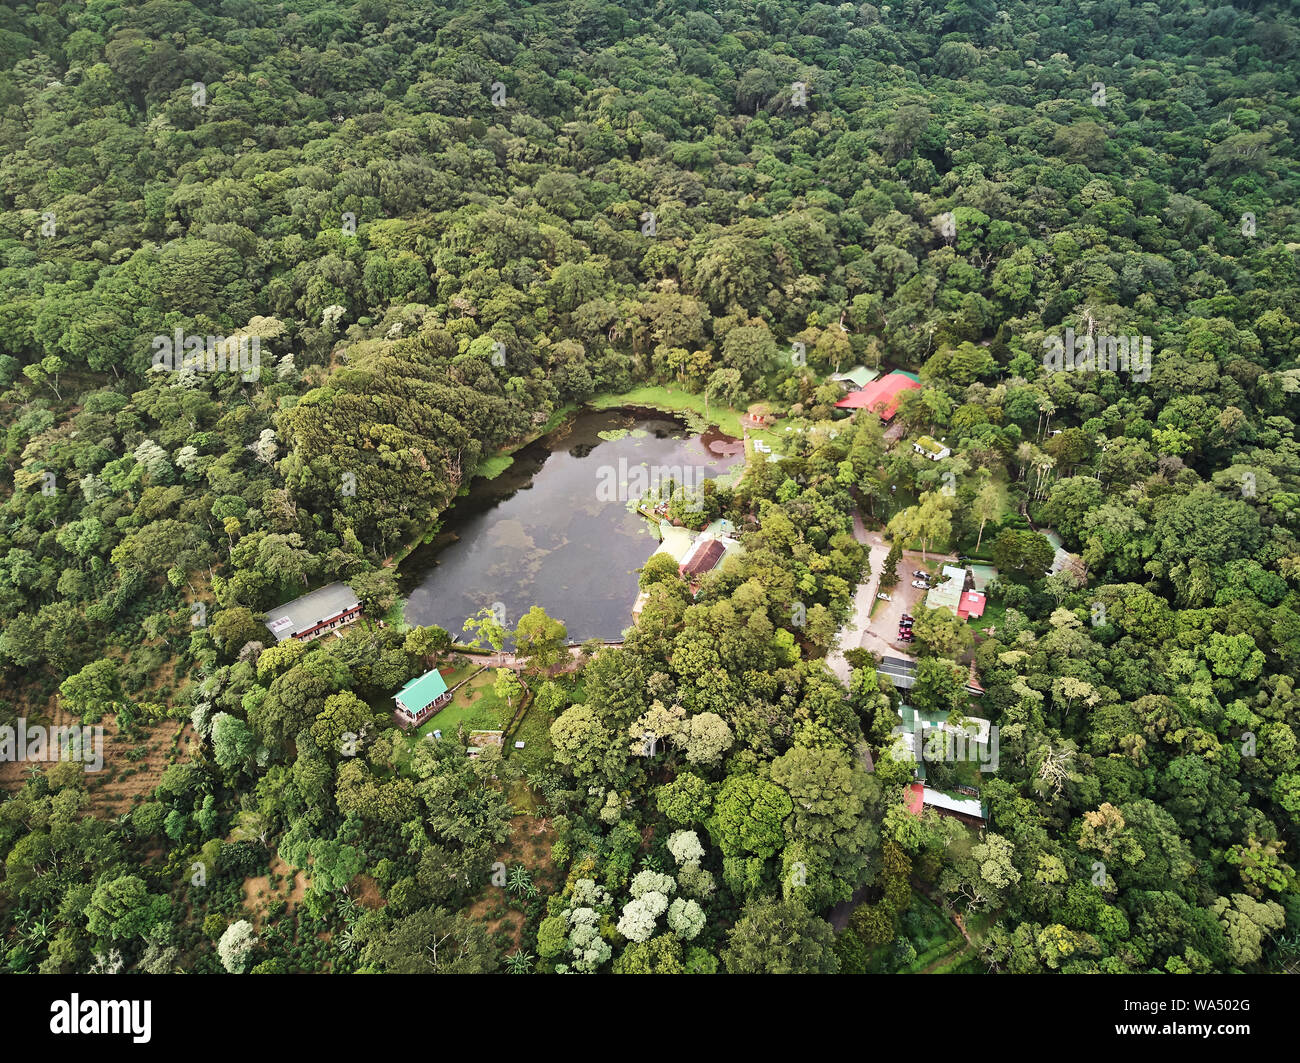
[(881, 396), (703, 559), (972, 604)]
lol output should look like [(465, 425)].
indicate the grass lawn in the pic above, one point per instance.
[(994, 614), (464, 671), (534, 729), (492, 467), (678, 400), (475, 705), (396, 615)]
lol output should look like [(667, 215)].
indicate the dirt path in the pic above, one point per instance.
[(513, 660), (855, 635), (879, 633)]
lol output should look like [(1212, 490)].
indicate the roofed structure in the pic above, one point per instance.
[(857, 377), (421, 698), (947, 595), (881, 396), (968, 810), (314, 614), (703, 557), (971, 605), (902, 673), (929, 447)]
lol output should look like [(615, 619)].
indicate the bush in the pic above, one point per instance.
[(214, 925)]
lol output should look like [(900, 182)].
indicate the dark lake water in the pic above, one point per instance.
[(541, 533)]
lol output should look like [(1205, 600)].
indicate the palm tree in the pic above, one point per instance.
[(520, 962), (1044, 466), (1024, 455), (520, 881), (986, 506), (1045, 406), (348, 909)]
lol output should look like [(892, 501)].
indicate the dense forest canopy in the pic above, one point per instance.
[(438, 228)]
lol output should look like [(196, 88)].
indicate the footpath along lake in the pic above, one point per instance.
[(540, 534)]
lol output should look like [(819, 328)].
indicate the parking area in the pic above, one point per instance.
[(906, 599)]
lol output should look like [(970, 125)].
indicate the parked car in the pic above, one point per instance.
[(920, 585), (921, 575), (906, 617), (884, 597), (904, 624)]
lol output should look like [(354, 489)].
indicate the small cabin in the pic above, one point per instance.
[(931, 448), (420, 699)]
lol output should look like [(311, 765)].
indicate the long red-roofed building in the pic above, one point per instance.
[(881, 396)]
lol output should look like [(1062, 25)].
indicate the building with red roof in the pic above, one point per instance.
[(971, 605), (703, 557), (881, 396)]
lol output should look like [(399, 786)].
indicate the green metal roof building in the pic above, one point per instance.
[(421, 698), (859, 376)]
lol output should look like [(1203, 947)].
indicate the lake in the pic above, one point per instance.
[(555, 528)]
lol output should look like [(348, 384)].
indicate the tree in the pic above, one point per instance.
[(659, 955), (685, 847), (431, 941), (748, 816), (94, 691), (122, 909), (485, 625), (688, 799), (930, 521), (707, 738), (685, 918), (540, 639), (889, 573), (427, 643), (780, 937), (940, 685), (507, 686), (342, 722), (637, 923), (376, 590), (581, 742), (940, 634), (724, 382), (986, 507), (831, 838), (233, 628), (1246, 922), (235, 945), (233, 743), (1022, 555)]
